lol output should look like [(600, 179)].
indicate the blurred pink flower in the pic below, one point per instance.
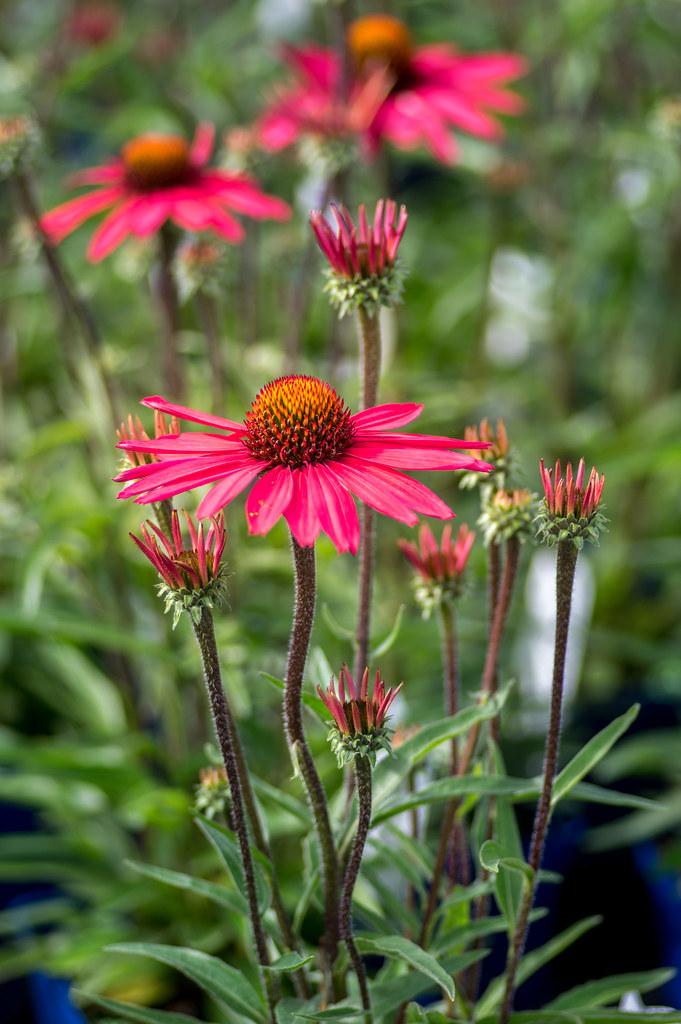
[(158, 178), (441, 562), (353, 710), (309, 455), (418, 93)]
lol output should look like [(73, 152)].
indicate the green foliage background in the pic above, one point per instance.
[(543, 286)]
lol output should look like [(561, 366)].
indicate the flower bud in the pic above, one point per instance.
[(439, 568), (507, 514), (358, 728), (571, 509)]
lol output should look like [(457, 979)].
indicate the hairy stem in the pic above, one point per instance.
[(370, 366), (73, 304), (363, 783), (451, 670), (303, 618), (225, 730), (169, 314), (207, 310), (565, 574)]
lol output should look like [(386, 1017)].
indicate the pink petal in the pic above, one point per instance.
[(105, 174), (314, 63), (428, 441), (244, 196), (190, 443), (392, 488), (227, 490), (64, 219), (400, 457), (397, 414), (147, 215), (202, 144), (192, 415), (370, 488), (111, 232), (177, 476), (268, 499), (335, 508), (301, 514)]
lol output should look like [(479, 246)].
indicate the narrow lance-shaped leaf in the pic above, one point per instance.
[(591, 753), (411, 954)]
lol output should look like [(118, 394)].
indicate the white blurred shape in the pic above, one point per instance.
[(283, 17)]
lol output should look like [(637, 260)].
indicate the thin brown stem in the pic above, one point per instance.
[(370, 366), (225, 731), (207, 311), (165, 291), (565, 574), (303, 618), (451, 670), (363, 783), (72, 303)]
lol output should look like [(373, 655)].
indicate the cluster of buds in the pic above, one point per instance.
[(439, 567), (507, 514), (212, 793), (192, 575), (358, 728), (19, 139), (200, 266), (131, 429), (498, 454), (571, 510), (363, 266)]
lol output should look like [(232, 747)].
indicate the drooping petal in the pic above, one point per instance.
[(64, 219), (147, 215), (202, 144), (372, 492), (335, 508), (402, 457), (183, 412), (194, 442), (380, 417), (227, 490), (387, 485), (268, 499), (176, 476), (301, 514), (110, 232), (105, 174)]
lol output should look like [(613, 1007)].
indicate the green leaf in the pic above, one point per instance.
[(227, 847), (332, 1013), (398, 948), (386, 996), (591, 753), (609, 990), (138, 1014), (586, 1017), (389, 642), (493, 857), (310, 700), (290, 962), (225, 984), (446, 789), (288, 803), (337, 629), (531, 962), (513, 875), (233, 901)]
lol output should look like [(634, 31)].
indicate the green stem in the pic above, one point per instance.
[(225, 730), (370, 366), (363, 783), (565, 574), (303, 618), (207, 311)]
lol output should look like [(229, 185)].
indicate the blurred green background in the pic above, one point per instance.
[(543, 287)]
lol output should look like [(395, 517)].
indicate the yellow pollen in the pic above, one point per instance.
[(379, 40), (296, 421), (155, 161)]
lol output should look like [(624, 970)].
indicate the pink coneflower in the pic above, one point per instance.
[(567, 495), (158, 178), (429, 89), (310, 455), (180, 565), (443, 562)]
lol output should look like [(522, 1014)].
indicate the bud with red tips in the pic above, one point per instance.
[(192, 574), (358, 728), (131, 429), (439, 567), (571, 510), (363, 265), (19, 140), (212, 793)]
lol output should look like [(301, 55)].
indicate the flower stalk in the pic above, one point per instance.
[(363, 784), (165, 291), (225, 730), (303, 618), (565, 573)]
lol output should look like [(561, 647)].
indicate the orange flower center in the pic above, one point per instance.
[(156, 161), (295, 421), (380, 40)]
